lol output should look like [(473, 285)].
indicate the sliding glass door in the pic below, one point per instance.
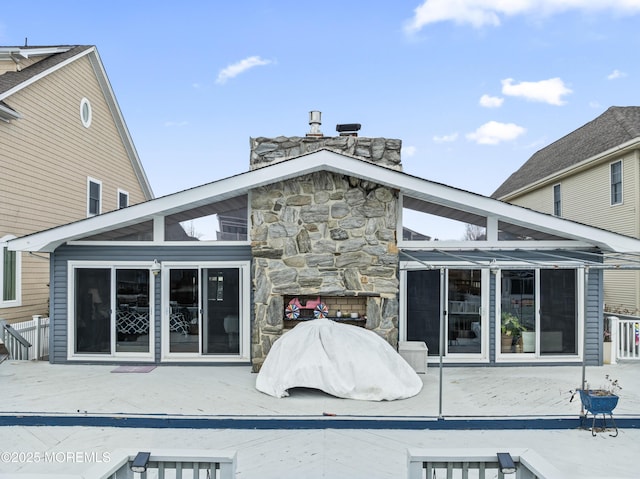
[(203, 313), (110, 311), (539, 312), (462, 306)]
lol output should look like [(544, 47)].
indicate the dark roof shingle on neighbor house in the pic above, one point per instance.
[(9, 80), (614, 127)]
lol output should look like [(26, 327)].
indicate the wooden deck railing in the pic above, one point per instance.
[(26, 340), (625, 336)]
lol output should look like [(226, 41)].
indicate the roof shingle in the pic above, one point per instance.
[(615, 126)]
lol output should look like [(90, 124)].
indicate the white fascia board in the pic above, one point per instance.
[(324, 160), (116, 113)]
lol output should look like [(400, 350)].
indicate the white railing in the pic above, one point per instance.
[(625, 336), (477, 463), (35, 339), (163, 464)]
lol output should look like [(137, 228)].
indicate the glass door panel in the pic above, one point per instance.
[(558, 312), (221, 311), (132, 310), (184, 330), (92, 310), (518, 319), (464, 311), (423, 308)]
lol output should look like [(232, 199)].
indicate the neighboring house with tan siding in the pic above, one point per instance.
[(591, 176), (65, 154)]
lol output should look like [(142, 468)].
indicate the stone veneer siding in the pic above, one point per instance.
[(323, 234), (384, 151)]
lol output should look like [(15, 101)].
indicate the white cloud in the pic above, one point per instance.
[(491, 101), (615, 74), (494, 132), (409, 150), (242, 66), (548, 91), (479, 13), (594, 104), (446, 138)]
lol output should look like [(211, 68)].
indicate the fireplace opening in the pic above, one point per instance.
[(350, 310)]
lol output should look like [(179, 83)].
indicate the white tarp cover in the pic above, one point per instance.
[(342, 360)]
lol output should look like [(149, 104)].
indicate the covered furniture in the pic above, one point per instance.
[(340, 359)]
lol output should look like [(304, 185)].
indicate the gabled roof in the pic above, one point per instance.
[(54, 58), (615, 127), (421, 191)]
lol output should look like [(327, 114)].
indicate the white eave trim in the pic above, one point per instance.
[(127, 141), (324, 160), (26, 52)]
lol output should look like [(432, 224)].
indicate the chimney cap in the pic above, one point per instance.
[(348, 127), (315, 120)]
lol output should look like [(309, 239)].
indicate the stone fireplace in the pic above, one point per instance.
[(324, 234)]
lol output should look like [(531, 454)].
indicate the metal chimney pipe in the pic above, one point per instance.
[(315, 122)]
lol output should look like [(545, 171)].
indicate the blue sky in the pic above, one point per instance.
[(472, 87)]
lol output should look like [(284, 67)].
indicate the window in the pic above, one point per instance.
[(111, 312), (10, 268), (85, 112), (539, 312), (557, 201), (616, 183), (123, 199), (94, 197), (214, 327)]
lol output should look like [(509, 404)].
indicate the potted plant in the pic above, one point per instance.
[(602, 400), (512, 329)]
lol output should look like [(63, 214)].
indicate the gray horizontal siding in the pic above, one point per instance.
[(64, 254)]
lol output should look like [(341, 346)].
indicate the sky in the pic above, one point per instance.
[(473, 88)]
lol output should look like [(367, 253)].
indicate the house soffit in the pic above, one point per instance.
[(423, 194)]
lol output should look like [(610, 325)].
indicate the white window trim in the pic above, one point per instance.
[(89, 181), (245, 312), (18, 301), (121, 192), (108, 357), (536, 356), (559, 186), (86, 122), (611, 203)]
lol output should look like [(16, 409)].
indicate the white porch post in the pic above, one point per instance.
[(36, 340)]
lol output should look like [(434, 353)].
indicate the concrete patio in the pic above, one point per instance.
[(90, 408)]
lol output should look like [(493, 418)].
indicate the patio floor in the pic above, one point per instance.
[(310, 434)]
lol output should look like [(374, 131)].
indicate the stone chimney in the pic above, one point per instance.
[(383, 151), (324, 235)]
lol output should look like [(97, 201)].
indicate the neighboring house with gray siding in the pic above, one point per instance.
[(317, 229), (591, 175), (65, 155)]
